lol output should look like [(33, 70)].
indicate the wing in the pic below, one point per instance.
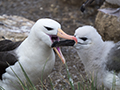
[(6, 57), (111, 11), (113, 63), (7, 45)]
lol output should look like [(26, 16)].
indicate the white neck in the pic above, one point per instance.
[(93, 56), (32, 47), (33, 54)]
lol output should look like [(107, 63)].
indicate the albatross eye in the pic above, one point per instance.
[(48, 28), (83, 38)]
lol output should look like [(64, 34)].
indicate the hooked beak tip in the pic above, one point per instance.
[(75, 39)]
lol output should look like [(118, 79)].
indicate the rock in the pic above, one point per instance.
[(107, 25), (14, 27)]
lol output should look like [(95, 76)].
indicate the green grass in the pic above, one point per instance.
[(69, 78), (81, 85), (1, 88), (27, 85), (41, 81)]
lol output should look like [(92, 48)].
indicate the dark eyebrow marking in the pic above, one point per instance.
[(48, 28)]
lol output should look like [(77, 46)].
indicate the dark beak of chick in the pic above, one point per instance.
[(63, 43)]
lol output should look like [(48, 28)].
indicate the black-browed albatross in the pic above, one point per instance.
[(100, 58), (32, 54)]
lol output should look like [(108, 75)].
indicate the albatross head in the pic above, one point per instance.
[(87, 37), (49, 31)]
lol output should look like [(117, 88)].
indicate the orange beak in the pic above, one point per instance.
[(62, 34)]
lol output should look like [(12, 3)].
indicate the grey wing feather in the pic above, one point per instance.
[(111, 11), (113, 63)]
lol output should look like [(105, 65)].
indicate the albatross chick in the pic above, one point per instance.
[(100, 58)]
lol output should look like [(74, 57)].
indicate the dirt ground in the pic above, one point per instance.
[(70, 18)]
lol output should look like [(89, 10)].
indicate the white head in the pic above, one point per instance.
[(87, 37), (44, 29), (47, 26), (48, 31)]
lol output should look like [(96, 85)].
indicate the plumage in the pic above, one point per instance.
[(33, 53), (111, 11), (100, 58), (7, 45), (113, 63), (5, 56)]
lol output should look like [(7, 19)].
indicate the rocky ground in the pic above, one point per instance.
[(70, 17)]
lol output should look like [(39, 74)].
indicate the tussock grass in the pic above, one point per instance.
[(89, 84), (1, 88), (27, 86)]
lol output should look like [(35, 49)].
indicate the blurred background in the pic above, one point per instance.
[(65, 12)]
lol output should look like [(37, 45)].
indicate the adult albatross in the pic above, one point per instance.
[(33, 53), (100, 58)]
